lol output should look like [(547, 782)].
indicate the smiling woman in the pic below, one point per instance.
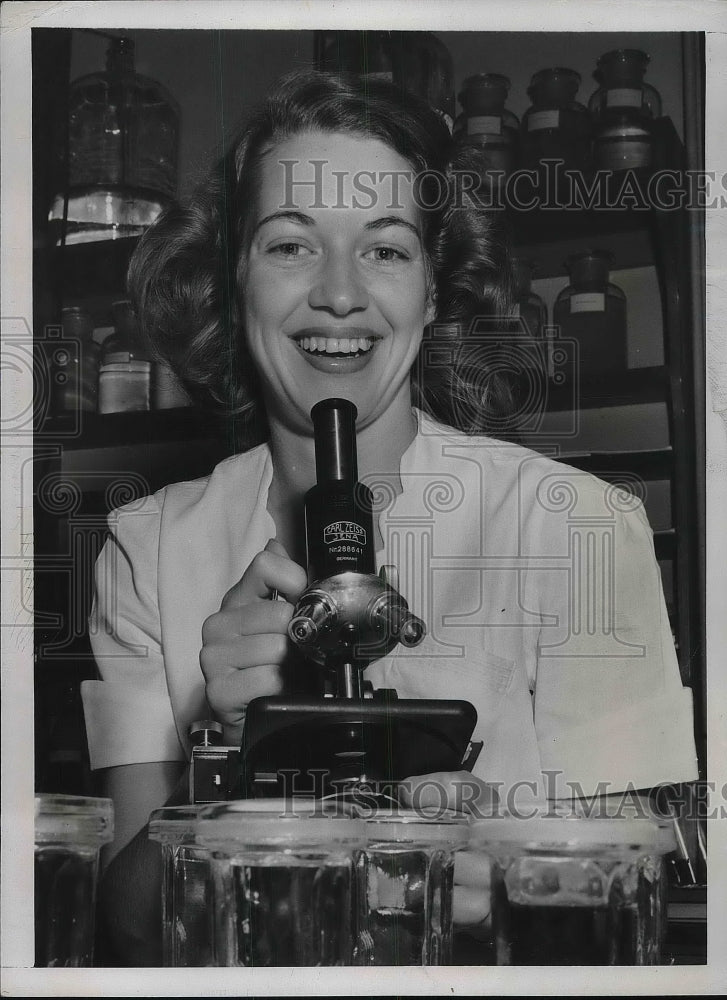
[(333, 274), (313, 264), (395, 174)]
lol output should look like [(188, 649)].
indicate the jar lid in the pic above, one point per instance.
[(230, 826), (572, 834), (395, 825), (73, 820), (487, 80), (174, 822), (625, 56), (589, 253)]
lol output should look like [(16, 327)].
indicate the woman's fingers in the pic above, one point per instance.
[(241, 653), (270, 570), (230, 692), (472, 868), (260, 617), (470, 906), (458, 790)]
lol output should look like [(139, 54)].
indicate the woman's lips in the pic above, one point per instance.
[(343, 353)]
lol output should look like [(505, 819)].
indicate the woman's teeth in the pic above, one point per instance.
[(334, 345)]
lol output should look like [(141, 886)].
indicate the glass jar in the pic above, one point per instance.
[(486, 123), (125, 372), (121, 159), (76, 363), (69, 833), (576, 890), (555, 126), (416, 61), (529, 308), (187, 888), (591, 311), (623, 109), (405, 877), (283, 880)]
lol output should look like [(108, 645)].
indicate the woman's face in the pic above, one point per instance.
[(334, 283)]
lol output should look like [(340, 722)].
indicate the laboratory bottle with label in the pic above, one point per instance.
[(591, 311), (623, 109), (555, 126), (486, 124)]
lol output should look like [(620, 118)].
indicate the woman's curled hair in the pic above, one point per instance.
[(184, 277)]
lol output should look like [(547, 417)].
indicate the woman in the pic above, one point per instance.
[(310, 266)]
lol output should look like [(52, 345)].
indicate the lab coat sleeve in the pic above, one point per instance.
[(611, 712), (128, 712)]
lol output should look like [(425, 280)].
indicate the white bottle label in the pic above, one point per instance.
[(588, 302), (484, 125), (624, 97), (544, 119)]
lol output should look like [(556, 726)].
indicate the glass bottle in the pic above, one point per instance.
[(416, 61), (486, 123), (70, 831), (76, 363), (623, 109), (529, 308), (121, 165), (125, 373), (556, 125), (592, 311)]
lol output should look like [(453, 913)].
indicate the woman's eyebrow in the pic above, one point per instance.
[(292, 216), (393, 220)]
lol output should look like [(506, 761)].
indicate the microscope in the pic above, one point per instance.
[(346, 737)]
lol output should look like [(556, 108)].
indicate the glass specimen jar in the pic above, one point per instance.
[(486, 123), (125, 372), (529, 308), (406, 878), (555, 126), (591, 311), (187, 888), (623, 109), (121, 160), (576, 890), (283, 881), (69, 833), (76, 363), (416, 61)]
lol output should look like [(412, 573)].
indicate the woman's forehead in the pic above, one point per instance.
[(312, 171)]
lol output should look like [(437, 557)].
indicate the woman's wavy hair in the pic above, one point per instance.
[(184, 277)]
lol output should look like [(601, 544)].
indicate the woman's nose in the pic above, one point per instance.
[(339, 287)]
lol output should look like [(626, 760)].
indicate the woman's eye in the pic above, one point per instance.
[(386, 254), (288, 249)]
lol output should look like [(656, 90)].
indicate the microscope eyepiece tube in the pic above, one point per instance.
[(334, 424)]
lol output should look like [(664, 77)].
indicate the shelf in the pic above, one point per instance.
[(610, 465), (99, 430), (567, 211), (627, 388), (630, 246)]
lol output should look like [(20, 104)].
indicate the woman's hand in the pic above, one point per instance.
[(245, 643), (463, 792)]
